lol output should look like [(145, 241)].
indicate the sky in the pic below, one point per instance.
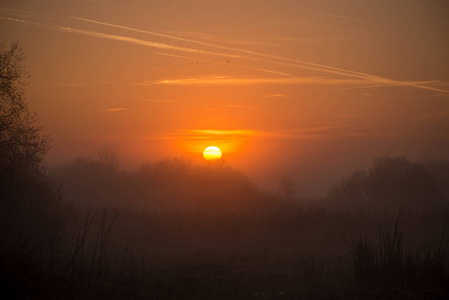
[(314, 88)]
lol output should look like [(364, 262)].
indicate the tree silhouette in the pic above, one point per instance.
[(391, 182), (287, 186), (21, 141)]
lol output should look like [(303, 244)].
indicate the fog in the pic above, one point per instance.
[(332, 119), (174, 228)]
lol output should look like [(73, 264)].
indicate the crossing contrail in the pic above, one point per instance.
[(250, 55), (123, 38), (285, 61)]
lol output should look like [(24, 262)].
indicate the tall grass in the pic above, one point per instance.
[(281, 251), (390, 263)]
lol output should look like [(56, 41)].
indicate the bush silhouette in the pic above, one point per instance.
[(390, 183), (440, 171), (173, 183)]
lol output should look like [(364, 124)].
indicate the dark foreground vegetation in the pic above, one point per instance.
[(52, 250), (173, 230)]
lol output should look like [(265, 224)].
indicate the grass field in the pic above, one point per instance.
[(277, 252)]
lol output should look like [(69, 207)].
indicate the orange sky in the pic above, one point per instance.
[(312, 87)]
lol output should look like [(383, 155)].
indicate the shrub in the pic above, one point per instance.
[(392, 183)]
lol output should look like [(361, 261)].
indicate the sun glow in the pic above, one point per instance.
[(212, 153)]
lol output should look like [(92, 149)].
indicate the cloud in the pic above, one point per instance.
[(222, 134), (229, 136), (251, 81), (212, 133), (306, 132), (222, 39), (308, 40), (239, 134), (287, 61), (114, 109), (275, 96), (123, 38), (248, 54)]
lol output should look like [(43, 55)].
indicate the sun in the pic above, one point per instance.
[(212, 153)]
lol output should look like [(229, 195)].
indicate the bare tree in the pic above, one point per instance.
[(21, 139), (288, 186), (109, 157)]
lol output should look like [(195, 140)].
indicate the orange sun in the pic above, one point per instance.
[(212, 153)]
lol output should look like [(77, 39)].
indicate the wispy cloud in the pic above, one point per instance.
[(167, 36), (122, 38), (370, 86), (222, 39), (287, 61), (215, 136), (274, 96), (252, 81), (307, 40), (230, 136), (248, 54), (238, 134), (114, 109), (306, 132)]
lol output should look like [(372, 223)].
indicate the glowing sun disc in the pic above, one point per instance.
[(212, 153)]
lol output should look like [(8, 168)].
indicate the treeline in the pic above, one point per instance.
[(173, 183), (392, 184)]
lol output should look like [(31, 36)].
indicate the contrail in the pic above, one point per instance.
[(229, 64), (292, 62), (218, 46), (246, 81), (365, 87), (286, 61), (123, 39), (114, 109)]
